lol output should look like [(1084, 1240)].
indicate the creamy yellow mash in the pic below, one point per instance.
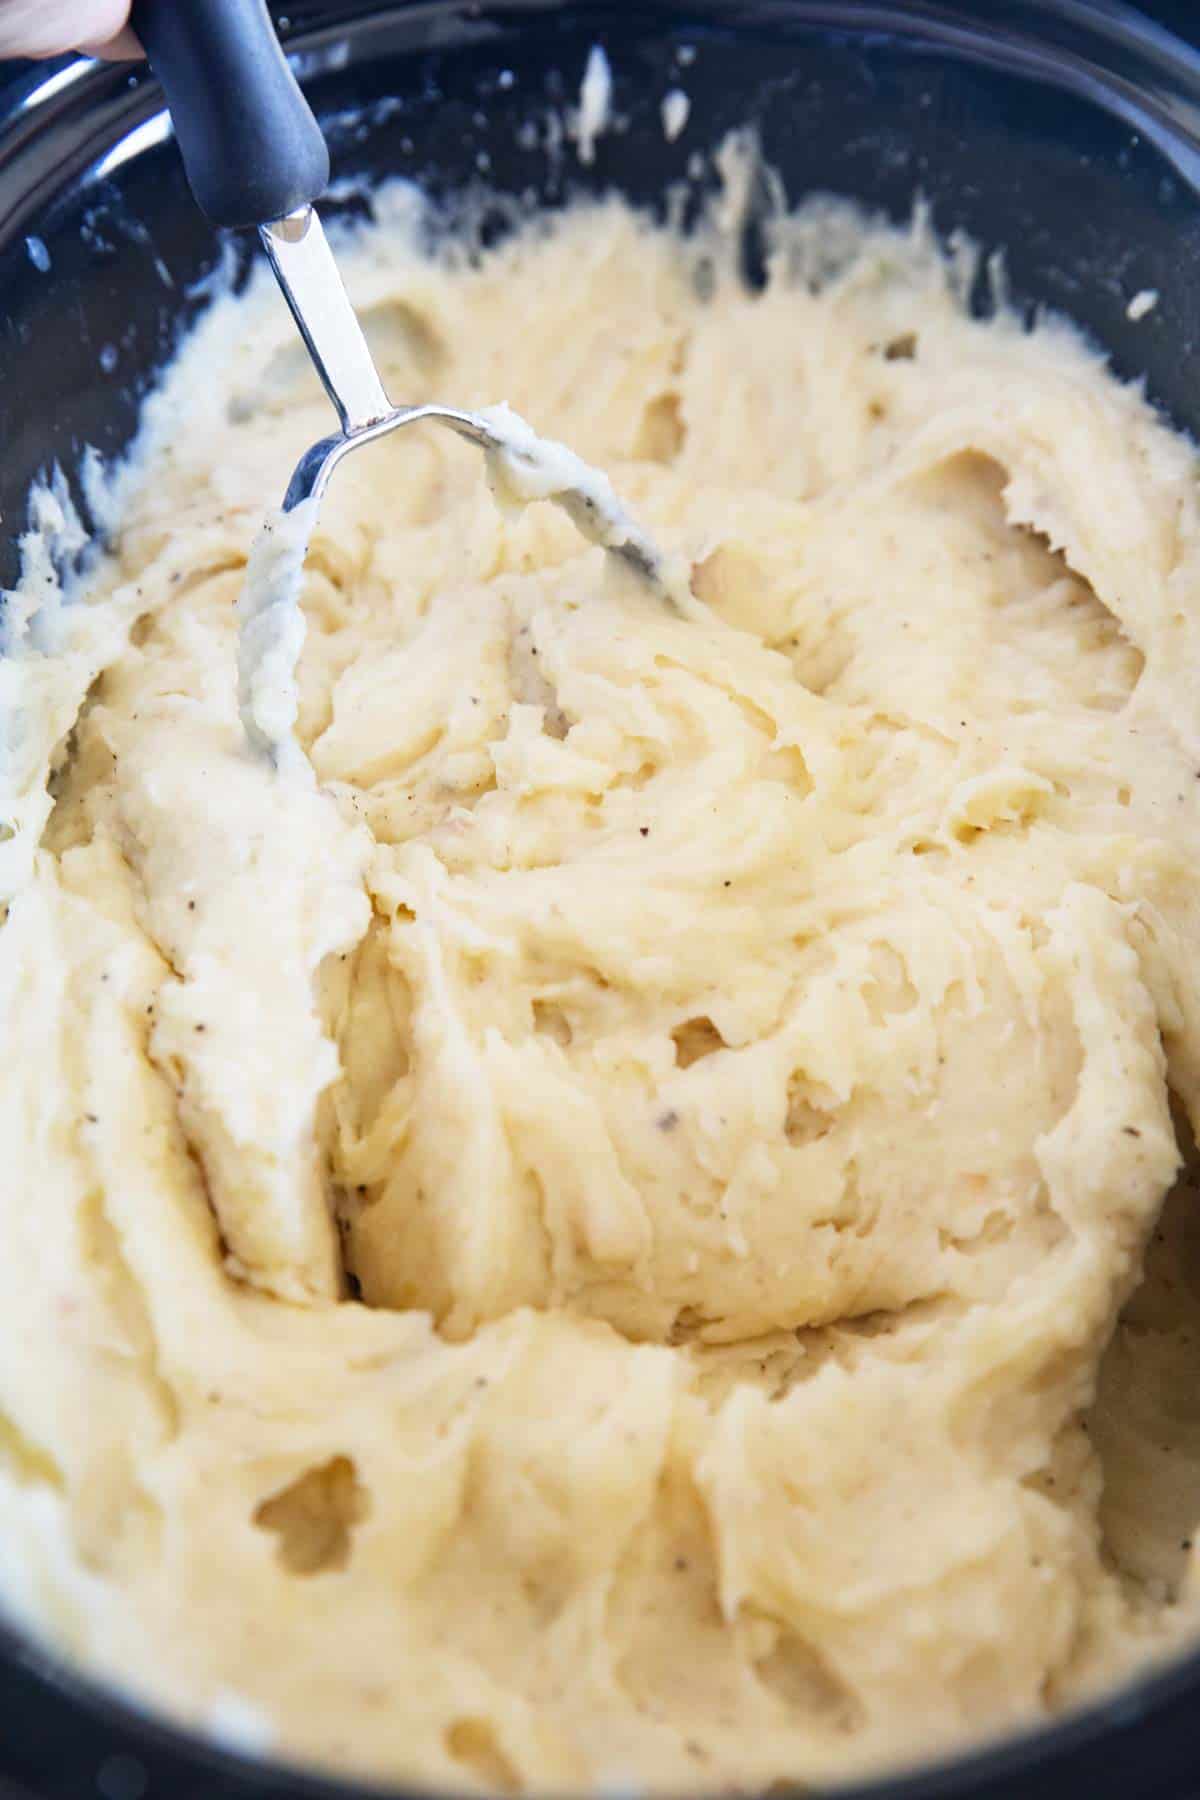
[(569, 1239)]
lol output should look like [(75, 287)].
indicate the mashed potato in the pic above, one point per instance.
[(576, 1247)]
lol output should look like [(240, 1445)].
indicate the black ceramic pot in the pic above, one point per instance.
[(1065, 131)]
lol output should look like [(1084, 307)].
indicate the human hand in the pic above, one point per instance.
[(48, 27)]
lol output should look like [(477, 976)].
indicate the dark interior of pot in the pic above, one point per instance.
[(104, 261)]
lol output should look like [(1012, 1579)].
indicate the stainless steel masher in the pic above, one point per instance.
[(255, 156)]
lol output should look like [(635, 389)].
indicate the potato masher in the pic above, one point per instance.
[(255, 156)]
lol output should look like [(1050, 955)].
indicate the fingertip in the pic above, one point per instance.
[(122, 48)]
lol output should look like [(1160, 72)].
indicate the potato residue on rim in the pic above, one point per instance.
[(578, 1248)]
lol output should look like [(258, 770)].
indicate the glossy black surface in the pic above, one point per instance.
[(100, 261), (251, 146)]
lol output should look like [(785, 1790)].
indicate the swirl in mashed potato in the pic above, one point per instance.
[(576, 1248)]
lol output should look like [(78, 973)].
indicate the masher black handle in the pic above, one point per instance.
[(251, 146)]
